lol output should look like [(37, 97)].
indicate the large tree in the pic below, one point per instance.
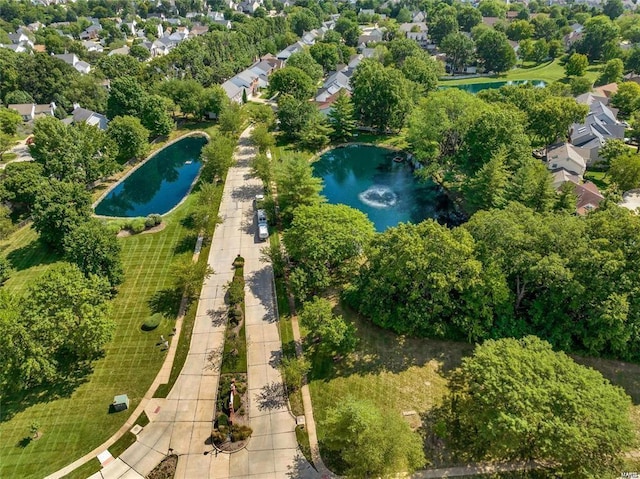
[(341, 118), (303, 60), (96, 251), (495, 52), (381, 96), (627, 98), (510, 399), (332, 253), (425, 279), (292, 81), (21, 184), (60, 207), (296, 185), (294, 115), (422, 70), (335, 335), (577, 65), (460, 50), (551, 118), (598, 31), (131, 137), (625, 171), (371, 442)]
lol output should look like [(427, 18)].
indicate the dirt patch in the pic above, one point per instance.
[(166, 469), (155, 229)]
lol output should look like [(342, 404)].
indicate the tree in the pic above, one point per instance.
[(512, 394), (580, 85), (303, 20), (349, 30), (293, 372), (154, 115), (633, 60), (552, 118), (468, 17), (627, 98), (444, 289), (613, 9), (371, 442), (231, 119), (598, 31), (217, 156), (402, 48), (21, 184), (306, 61), (335, 334), (126, 97), (327, 55), (532, 186), (625, 171), (131, 137), (422, 70), (6, 225), (492, 8), (380, 95), (293, 115), (213, 101), (188, 276), (262, 139), (95, 250), (488, 188), (577, 65), (292, 81), (612, 72), (330, 255), (315, 133), (443, 23), (60, 207), (494, 51), (296, 185), (460, 50), (119, 66), (6, 143), (613, 148), (9, 121), (341, 118), (519, 30), (634, 133), (139, 52), (187, 94), (18, 97)]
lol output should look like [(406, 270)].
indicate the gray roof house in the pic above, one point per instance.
[(31, 111), (290, 50), (600, 125), (92, 118), (233, 91)]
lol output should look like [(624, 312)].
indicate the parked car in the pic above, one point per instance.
[(263, 226)]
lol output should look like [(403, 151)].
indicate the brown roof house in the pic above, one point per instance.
[(31, 111)]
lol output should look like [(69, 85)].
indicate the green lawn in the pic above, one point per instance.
[(547, 72), (76, 420), (599, 178)]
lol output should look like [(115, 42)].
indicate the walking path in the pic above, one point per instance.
[(181, 423)]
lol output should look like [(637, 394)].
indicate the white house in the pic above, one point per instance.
[(31, 111), (566, 156)]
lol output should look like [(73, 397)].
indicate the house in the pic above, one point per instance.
[(567, 157), (89, 117), (73, 60), (325, 107), (588, 197), (20, 38), (490, 21), (607, 90), (591, 97), (31, 111), (249, 6), (19, 48), (370, 35), (233, 91), (419, 17), (120, 51), (248, 81), (198, 30), (634, 77), (92, 46), (600, 125), (92, 31), (416, 31), (574, 36), (290, 50)]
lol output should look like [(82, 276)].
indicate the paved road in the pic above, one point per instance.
[(22, 150), (182, 421)]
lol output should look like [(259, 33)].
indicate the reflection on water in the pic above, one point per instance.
[(367, 178), (159, 184)]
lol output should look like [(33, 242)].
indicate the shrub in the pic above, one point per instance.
[(218, 436), (137, 225), (152, 220), (235, 290), (240, 432), (237, 402), (114, 227), (152, 323), (223, 420), (238, 262), (234, 315), (5, 269)]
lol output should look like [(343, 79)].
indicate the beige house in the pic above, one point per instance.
[(568, 157)]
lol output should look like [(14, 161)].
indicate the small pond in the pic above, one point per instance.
[(159, 184), (367, 178), (477, 87)]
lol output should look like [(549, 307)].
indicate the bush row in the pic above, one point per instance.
[(134, 225)]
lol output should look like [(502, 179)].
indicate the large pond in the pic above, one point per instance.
[(159, 184), (477, 87), (367, 178)]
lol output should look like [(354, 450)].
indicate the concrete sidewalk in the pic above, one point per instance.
[(182, 422)]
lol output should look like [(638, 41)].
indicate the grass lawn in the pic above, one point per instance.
[(547, 72), (74, 420), (599, 178)]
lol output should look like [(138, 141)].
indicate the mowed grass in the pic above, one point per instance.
[(547, 72), (74, 422)]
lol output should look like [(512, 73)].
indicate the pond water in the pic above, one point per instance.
[(159, 184), (367, 178), (477, 87)]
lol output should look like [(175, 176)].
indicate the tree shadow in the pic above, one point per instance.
[(166, 302), (301, 469), (272, 396), (188, 222), (261, 285), (24, 442), (72, 375), (218, 316), (246, 192), (33, 254), (186, 244), (276, 358)]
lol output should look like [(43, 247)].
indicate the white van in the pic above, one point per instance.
[(263, 228)]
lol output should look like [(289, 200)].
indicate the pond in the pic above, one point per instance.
[(367, 178), (159, 184), (477, 87)]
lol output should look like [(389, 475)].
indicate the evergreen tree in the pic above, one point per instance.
[(341, 119)]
